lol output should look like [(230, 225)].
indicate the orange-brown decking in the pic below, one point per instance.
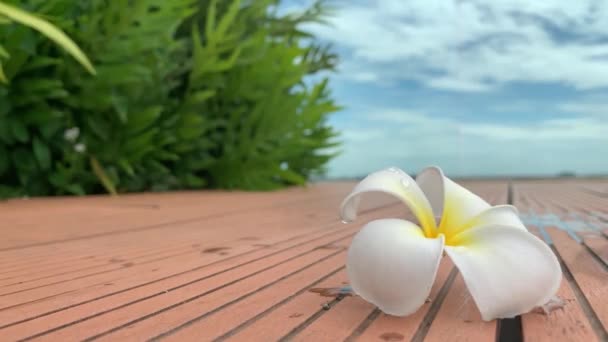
[(198, 266)]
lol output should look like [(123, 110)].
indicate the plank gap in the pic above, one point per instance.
[(596, 257), (593, 319), (257, 317), (295, 331), (182, 273), (425, 325), (509, 330), (200, 317), (82, 319), (364, 325)]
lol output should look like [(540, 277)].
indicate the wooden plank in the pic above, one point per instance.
[(599, 245), (264, 251), (338, 323), (152, 285), (588, 273), (88, 280), (567, 324), (353, 228), (236, 229), (130, 251), (165, 270), (216, 324), (157, 322), (288, 248), (280, 321), (65, 224), (563, 324), (404, 328), (459, 319)]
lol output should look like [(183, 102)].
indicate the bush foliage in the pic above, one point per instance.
[(187, 94)]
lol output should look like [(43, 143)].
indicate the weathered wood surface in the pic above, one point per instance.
[(240, 266)]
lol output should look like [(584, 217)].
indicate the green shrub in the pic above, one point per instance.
[(188, 94)]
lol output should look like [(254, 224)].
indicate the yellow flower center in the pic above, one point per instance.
[(452, 234)]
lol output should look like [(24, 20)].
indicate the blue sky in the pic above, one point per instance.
[(476, 87)]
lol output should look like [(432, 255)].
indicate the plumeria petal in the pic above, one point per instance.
[(500, 215), (430, 181), (507, 271), (456, 204), (397, 183), (392, 265)]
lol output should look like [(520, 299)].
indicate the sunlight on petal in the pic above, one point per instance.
[(430, 181), (500, 215), (508, 271), (392, 265), (397, 183), (457, 205)]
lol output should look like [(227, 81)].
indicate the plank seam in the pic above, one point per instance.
[(592, 317), (363, 326), (595, 256), (82, 319), (184, 272), (509, 329), (223, 306), (180, 273), (264, 313), (595, 192), (298, 329), (154, 226), (117, 268), (425, 325)]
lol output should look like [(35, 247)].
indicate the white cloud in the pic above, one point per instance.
[(473, 45), (585, 128), (364, 76), (593, 108), (413, 140), (361, 135)]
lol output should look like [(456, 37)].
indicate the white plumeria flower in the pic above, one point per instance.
[(71, 134), (80, 148), (392, 263)]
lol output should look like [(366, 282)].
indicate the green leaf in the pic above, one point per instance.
[(102, 176), (164, 155), (120, 104), (200, 96), (19, 130), (228, 19), (142, 120), (126, 166), (48, 30), (75, 189), (40, 62), (50, 129), (4, 160), (194, 181), (42, 153), (99, 126), (40, 117), (3, 78), (158, 167), (292, 177), (5, 132), (25, 163), (58, 179), (210, 22)]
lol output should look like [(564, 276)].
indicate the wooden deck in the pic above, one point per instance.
[(240, 266)]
